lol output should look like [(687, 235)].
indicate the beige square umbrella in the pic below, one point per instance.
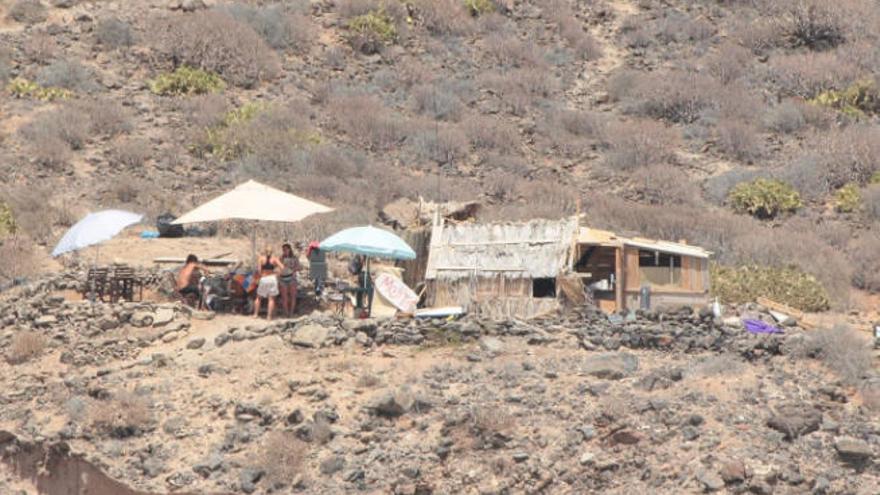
[(257, 202)]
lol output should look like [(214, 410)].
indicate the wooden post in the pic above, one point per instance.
[(619, 279)]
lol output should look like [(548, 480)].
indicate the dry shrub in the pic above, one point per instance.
[(365, 119), (844, 350), (639, 143), (813, 24), (65, 125), (675, 96), (739, 141), (865, 255), (490, 133), (27, 11), (25, 346), (758, 34), (216, 42), (279, 28), (114, 33), (677, 27), (282, 457), (437, 101), (808, 74), (106, 117), (124, 415), (663, 184), (572, 132), (871, 202), (851, 154), (37, 210), (532, 199), (507, 50), (444, 17), (785, 118), (521, 88), (368, 380), (441, 144), (40, 48), (353, 8), (17, 257), (132, 153), (206, 110), (68, 74), (729, 63), (5, 65)]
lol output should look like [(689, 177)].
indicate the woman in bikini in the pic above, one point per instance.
[(290, 260), (268, 267)]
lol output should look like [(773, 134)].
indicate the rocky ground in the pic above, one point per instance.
[(167, 400)]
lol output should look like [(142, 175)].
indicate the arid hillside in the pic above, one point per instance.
[(746, 126)]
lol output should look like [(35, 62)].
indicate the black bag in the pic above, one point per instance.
[(165, 228)]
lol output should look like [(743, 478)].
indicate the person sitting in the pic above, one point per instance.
[(268, 266), (188, 279)]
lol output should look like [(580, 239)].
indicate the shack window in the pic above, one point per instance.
[(544, 287), (659, 269)]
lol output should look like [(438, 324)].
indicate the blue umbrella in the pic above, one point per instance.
[(369, 241), (95, 228)]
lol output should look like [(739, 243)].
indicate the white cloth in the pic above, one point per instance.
[(268, 286)]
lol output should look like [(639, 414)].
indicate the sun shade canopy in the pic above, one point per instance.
[(95, 228), (369, 241), (254, 201)]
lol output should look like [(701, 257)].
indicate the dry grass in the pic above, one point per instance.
[(845, 351), (282, 456), (124, 415), (25, 346)]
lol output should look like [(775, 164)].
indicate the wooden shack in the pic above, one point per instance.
[(499, 270), (629, 273), (513, 269)]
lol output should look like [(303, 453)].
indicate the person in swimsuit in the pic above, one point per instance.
[(268, 266), (290, 260), (188, 278)]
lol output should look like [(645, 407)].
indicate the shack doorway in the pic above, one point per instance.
[(599, 269)]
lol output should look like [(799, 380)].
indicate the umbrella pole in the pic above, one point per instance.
[(254, 246), (368, 284)]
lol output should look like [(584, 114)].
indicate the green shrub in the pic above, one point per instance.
[(222, 140), (186, 80), (875, 178), (848, 199), (371, 31), (788, 285), (859, 99), (7, 220), (254, 127), (479, 7), (764, 198), (23, 88)]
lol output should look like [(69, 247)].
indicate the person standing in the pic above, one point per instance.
[(289, 284), (268, 266)]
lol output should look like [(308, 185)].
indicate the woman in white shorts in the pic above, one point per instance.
[(268, 266)]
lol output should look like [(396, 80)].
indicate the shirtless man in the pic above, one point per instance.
[(188, 278)]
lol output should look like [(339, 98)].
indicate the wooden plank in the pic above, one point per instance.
[(620, 279), (797, 314), (180, 261)]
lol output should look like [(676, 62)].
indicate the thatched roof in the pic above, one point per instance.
[(534, 249)]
